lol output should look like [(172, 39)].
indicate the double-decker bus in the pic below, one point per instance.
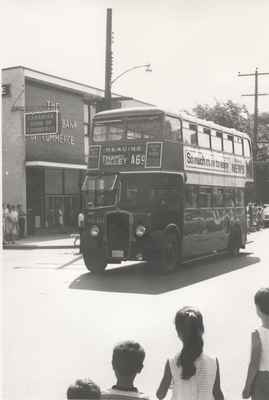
[(163, 187)]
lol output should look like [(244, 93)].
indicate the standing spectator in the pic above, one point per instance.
[(257, 382), (83, 389), (60, 218), (194, 374), (4, 216), (81, 222), (8, 223), (21, 216), (127, 361), (12, 219)]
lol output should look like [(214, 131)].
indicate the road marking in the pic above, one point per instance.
[(70, 262)]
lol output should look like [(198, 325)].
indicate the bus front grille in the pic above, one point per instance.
[(118, 234)]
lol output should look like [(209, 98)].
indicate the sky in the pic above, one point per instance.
[(196, 48)]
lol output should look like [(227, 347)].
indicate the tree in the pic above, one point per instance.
[(235, 116), (228, 114)]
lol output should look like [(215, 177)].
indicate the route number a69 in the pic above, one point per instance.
[(137, 159)]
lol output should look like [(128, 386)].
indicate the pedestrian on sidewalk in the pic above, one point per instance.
[(12, 224), (257, 382), (21, 216), (4, 217), (81, 226), (60, 218), (194, 374)]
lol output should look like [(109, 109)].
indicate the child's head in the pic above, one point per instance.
[(190, 328), (262, 302), (127, 359), (84, 389)]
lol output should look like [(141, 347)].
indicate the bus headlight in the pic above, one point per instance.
[(140, 230), (94, 231)]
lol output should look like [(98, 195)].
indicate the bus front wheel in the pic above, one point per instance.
[(96, 264)]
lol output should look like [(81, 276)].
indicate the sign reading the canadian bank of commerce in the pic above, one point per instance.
[(41, 123)]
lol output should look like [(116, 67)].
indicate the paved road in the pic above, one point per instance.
[(61, 322)]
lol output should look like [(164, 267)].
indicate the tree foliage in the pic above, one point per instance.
[(229, 114)]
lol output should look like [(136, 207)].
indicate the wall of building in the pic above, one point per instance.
[(69, 145), (13, 144)]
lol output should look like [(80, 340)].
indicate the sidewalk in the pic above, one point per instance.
[(53, 241)]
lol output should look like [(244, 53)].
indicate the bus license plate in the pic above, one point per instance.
[(117, 253)]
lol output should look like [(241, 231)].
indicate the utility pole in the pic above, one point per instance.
[(256, 74), (108, 60)]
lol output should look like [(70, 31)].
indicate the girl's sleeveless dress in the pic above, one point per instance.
[(199, 386), (261, 383)]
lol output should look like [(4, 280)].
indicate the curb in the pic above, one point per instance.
[(35, 247)]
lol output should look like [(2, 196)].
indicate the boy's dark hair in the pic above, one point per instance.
[(128, 358), (83, 389), (262, 300), (190, 328)]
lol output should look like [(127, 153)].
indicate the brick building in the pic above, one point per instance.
[(44, 172)]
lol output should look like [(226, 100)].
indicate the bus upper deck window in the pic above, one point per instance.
[(112, 130), (216, 140), (190, 134), (228, 143), (246, 148), (238, 146), (172, 128), (204, 137)]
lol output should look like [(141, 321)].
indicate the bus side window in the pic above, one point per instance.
[(228, 198), (204, 137), (238, 146), (205, 197), (228, 143), (246, 148), (239, 197), (216, 140), (218, 200), (191, 196), (172, 128), (189, 133)]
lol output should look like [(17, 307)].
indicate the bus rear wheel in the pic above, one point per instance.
[(96, 264), (235, 242), (170, 253)]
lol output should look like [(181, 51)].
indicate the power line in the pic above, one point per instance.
[(256, 74)]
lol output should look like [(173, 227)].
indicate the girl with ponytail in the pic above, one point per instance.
[(194, 375)]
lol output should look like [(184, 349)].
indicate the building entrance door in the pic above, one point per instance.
[(65, 205)]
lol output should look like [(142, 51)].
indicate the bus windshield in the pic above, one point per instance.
[(149, 190), (131, 128), (100, 190)]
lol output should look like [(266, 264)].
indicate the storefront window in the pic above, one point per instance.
[(71, 181), (53, 181)]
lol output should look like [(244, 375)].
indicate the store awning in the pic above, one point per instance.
[(55, 165)]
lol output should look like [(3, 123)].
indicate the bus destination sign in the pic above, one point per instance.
[(41, 123), (123, 155)]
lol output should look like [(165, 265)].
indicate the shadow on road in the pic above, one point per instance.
[(138, 279)]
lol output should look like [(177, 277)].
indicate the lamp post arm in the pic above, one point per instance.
[(128, 70)]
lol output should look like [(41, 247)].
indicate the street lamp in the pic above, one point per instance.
[(146, 66)]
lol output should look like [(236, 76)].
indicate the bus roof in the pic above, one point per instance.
[(130, 111), (133, 111)]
